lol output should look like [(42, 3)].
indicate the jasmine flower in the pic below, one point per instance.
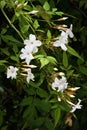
[(26, 54), (12, 72), (59, 84), (69, 32), (32, 42), (77, 106), (30, 76), (62, 42)]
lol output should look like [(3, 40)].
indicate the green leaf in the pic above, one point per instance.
[(46, 6), (14, 58), (29, 112), (54, 9), (69, 73), (56, 115), (48, 124), (64, 106), (30, 91), (42, 13), (2, 62), (1, 117), (5, 51), (44, 62), (25, 28), (81, 3), (26, 101), (36, 24), (73, 52), (15, 49), (52, 60), (65, 59), (49, 34), (83, 70), (42, 93), (38, 122), (4, 128), (38, 56), (9, 39), (42, 105), (4, 30), (2, 4), (59, 13)]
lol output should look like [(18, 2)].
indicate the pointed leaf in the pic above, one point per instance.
[(73, 52), (46, 6), (65, 59), (56, 115), (52, 60), (44, 62)]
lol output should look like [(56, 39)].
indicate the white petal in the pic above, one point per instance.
[(73, 109), (32, 37), (57, 43), (63, 33), (63, 47), (35, 50), (26, 42), (29, 58), (37, 43), (28, 79)]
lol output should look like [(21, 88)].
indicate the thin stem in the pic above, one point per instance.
[(12, 24)]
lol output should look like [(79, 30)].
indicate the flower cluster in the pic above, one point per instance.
[(31, 47), (63, 39), (59, 84)]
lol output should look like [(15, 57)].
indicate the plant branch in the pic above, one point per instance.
[(12, 24)]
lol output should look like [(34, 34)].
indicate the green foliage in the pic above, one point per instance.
[(35, 105)]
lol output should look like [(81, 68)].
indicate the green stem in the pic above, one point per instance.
[(12, 24)]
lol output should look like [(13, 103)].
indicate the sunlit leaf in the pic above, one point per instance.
[(52, 60), (46, 6)]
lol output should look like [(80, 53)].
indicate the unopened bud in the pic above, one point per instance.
[(74, 89), (59, 99), (16, 2), (55, 69), (64, 18), (61, 74), (19, 6), (33, 12), (25, 3), (70, 102)]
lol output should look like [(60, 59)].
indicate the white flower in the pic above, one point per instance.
[(59, 84), (63, 39), (69, 32), (62, 42), (26, 54), (77, 106), (12, 72), (30, 76), (33, 43)]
